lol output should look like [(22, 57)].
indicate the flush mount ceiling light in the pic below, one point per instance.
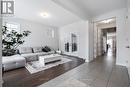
[(45, 15)]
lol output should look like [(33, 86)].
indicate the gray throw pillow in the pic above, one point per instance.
[(37, 49)]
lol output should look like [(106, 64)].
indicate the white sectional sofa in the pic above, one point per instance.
[(25, 54), (13, 62), (31, 54)]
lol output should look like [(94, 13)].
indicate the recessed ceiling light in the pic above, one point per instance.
[(45, 14)]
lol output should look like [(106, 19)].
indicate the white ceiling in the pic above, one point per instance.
[(31, 9), (91, 8), (63, 12)]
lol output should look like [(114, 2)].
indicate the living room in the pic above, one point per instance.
[(41, 37), (47, 41)]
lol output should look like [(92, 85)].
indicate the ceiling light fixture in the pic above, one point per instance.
[(44, 14)]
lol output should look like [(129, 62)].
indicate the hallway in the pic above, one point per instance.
[(100, 73)]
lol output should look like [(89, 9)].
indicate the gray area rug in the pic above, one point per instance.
[(34, 67), (72, 83)]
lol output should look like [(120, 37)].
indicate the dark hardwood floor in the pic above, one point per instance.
[(22, 78)]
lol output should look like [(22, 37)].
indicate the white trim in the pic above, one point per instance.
[(128, 71), (19, 26), (120, 64)]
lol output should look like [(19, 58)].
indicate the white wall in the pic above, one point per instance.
[(121, 34), (40, 34), (95, 40), (0, 51), (99, 41), (81, 30), (91, 40), (128, 5), (104, 44)]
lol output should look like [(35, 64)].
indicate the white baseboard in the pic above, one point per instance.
[(128, 67), (120, 64)]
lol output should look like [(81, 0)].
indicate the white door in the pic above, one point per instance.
[(71, 46)]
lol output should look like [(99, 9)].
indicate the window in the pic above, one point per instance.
[(13, 26)]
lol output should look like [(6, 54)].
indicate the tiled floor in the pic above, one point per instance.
[(100, 73)]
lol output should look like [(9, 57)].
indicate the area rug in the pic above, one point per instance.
[(72, 83), (34, 67)]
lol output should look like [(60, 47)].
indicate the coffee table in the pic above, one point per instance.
[(49, 58)]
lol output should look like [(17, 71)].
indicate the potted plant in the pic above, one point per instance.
[(11, 40)]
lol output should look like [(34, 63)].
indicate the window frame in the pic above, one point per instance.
[(13, 23)]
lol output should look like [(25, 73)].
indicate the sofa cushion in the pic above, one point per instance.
[(37, 49), (24, 50), (30, 57), (33, 56), (41, 53), (51, 52), (12, 59), (13, 62), (28, 54)]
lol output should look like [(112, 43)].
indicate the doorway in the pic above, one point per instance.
[(109, 40), (105, 37)]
